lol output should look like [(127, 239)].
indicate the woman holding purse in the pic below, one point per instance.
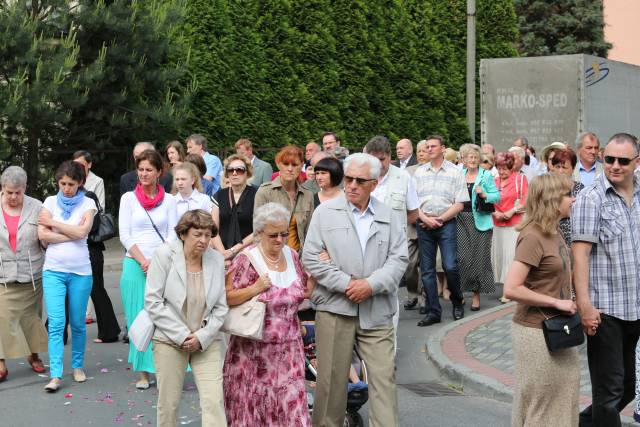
[(475, 227), (539, 279), (185, 299), (264, 380), (147, 219)]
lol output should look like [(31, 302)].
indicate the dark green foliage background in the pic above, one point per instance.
[(561, 27), (280, 71)]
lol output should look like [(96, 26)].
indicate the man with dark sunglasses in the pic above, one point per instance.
[(356, 293), (606, 252)]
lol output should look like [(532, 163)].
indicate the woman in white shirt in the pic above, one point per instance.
[(63, 225), (186, 179), (147, 219)]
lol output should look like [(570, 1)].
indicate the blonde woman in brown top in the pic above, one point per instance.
[(539, 279)]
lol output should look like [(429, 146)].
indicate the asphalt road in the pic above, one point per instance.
[(109, 396)]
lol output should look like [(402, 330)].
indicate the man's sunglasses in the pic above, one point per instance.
[(239, 171), (360, 181), (622, 161)]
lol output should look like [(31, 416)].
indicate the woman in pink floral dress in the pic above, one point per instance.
[(264, 380)]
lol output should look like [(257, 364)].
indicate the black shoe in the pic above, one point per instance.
[(125, 338), (423, 309), (428, 320), (411, 304), (458, 312), (475, 307)]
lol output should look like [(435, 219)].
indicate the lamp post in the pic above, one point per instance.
[(471, 68)]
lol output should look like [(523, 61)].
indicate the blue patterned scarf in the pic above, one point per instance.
[(67, 204)]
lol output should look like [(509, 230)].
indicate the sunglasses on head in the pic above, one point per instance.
[(238, 171), (360, 181), (622, 161)]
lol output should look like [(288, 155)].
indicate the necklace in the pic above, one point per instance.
[(271, 261)]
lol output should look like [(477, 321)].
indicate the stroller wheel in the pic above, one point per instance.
[(352, 419)]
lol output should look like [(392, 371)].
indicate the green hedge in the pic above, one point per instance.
[(282, 71)]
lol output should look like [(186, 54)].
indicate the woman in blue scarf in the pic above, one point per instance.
[(63, 225)]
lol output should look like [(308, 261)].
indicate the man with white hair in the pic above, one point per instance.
[(356, 293), (129, 180), (519, 155)]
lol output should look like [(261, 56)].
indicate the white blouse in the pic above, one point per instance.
[(280, 279), (135, 226), (71, 256), (196, 200)]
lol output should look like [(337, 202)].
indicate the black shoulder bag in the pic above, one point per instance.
[(481, 204), (105, 229), (563, 330)]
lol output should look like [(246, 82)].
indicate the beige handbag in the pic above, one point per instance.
[(247, 319)]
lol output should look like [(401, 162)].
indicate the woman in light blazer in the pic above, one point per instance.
[(186, 300), (475, 228)]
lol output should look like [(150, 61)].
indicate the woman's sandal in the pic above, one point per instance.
[(79, 376), (53, 386), (36, 364), (142, 385), (3, 375)]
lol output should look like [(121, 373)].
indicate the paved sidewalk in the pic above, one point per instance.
[(476, 353)]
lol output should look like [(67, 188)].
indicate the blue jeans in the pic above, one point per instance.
[(446, 238), (56, 286)]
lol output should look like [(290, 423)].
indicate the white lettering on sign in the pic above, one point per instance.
[(529, 101)]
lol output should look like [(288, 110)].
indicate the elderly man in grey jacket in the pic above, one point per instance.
[(356, 293)]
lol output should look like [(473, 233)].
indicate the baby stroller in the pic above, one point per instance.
[(357, 383)]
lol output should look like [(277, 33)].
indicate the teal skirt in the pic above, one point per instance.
[(132, 284)]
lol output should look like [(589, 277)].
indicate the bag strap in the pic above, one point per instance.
[(254, 262), (152, 223), (571, 289), (519, 188)]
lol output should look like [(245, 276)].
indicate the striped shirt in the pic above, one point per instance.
[(439, 189), (601, 216)]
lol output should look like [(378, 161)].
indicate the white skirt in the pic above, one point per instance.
[(503, 249)]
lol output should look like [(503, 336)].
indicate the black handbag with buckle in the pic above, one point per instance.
[(481, 204), (562, 331)]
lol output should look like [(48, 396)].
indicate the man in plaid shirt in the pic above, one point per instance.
[(606, 251)]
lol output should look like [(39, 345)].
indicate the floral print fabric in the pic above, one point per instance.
[(264, 380)]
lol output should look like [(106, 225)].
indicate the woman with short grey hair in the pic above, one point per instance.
[(22, 332), (271, 212), (272, 271)]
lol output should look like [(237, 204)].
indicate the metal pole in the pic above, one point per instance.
[(471, 68)]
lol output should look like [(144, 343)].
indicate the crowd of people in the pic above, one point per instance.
[(329, 238)]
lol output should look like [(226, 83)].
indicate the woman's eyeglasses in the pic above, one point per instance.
[(622, 161), (238, 171), (284, 235)]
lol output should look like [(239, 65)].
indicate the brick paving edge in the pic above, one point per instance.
[(452, 336), (463, 375)]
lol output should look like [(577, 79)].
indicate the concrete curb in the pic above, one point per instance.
[(461, 374), (465, 376)]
